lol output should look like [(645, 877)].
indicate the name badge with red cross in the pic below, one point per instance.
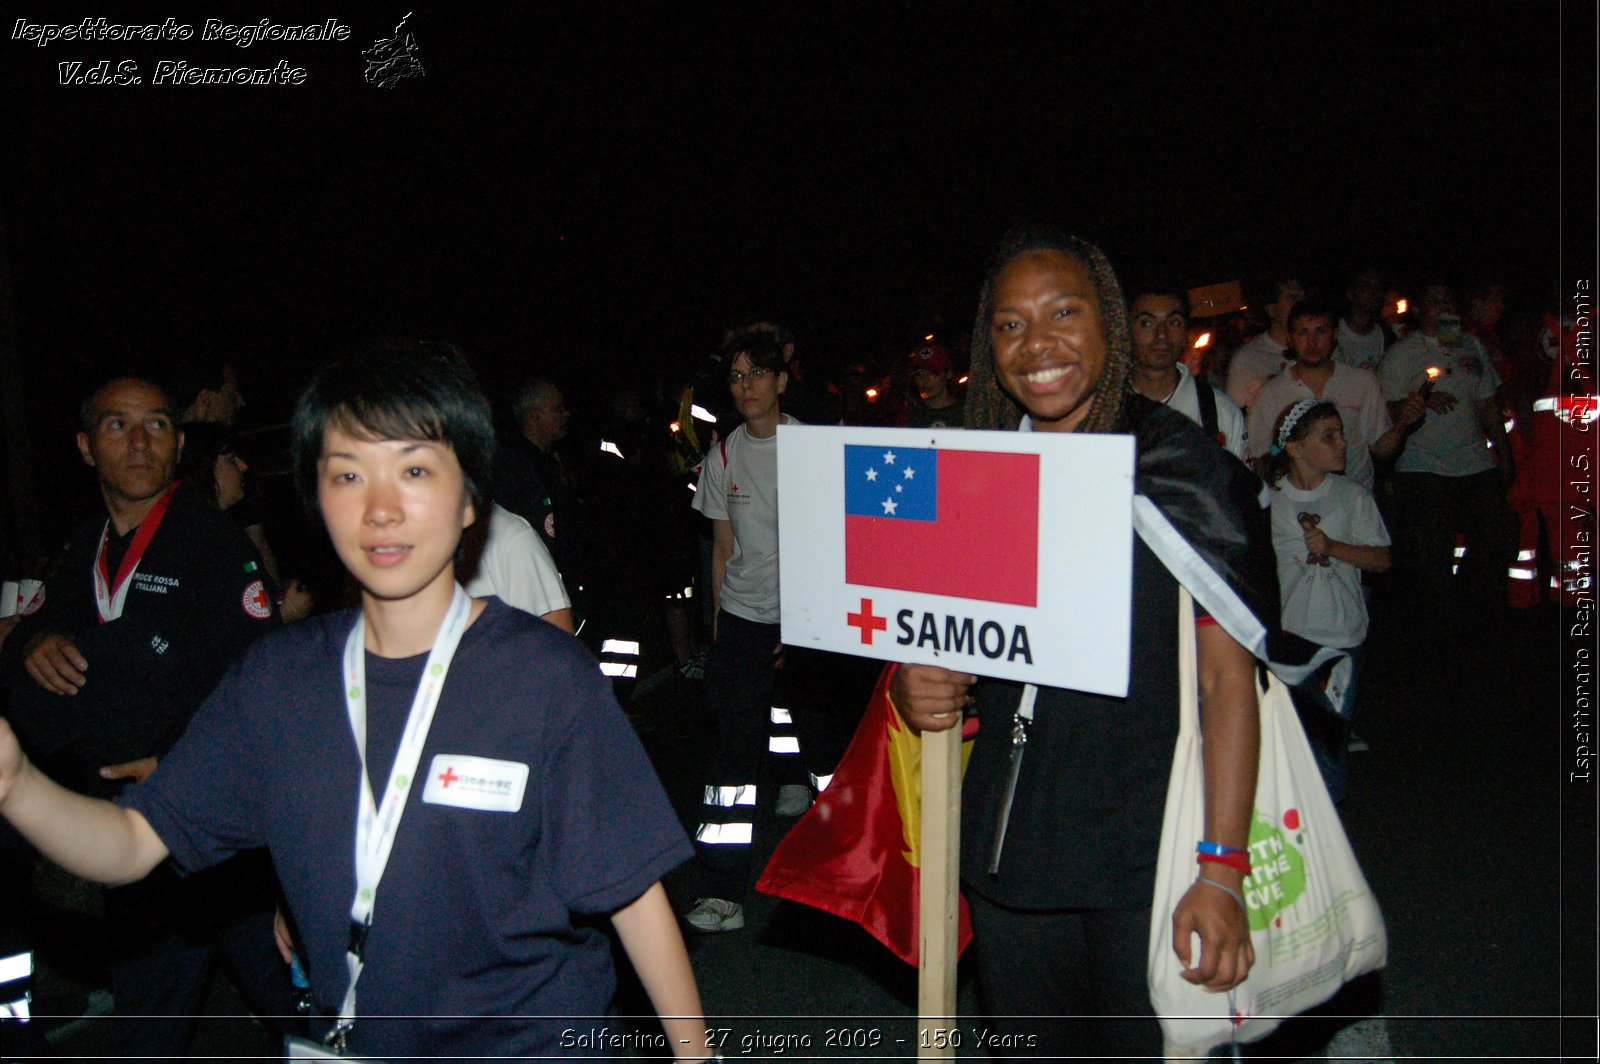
[(482, 783)]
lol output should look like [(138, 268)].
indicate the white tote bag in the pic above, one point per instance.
[(1313, 920)]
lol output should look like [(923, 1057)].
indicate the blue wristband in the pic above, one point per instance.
[(1216, 849)]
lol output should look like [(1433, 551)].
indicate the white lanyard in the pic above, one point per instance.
[(109, 601), (110, 595), (377, 824)]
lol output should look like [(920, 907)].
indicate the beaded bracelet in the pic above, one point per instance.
[(1239, 862)]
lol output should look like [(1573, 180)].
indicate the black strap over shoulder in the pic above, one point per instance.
[(1208, 407)]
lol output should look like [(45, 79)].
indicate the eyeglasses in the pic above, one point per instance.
[(760, 373)]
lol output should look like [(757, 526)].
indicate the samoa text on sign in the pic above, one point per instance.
[(1003, 554)]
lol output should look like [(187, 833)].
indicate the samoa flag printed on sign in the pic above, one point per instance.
[(943, 522)]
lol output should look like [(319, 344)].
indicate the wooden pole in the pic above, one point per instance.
[(939, 947)]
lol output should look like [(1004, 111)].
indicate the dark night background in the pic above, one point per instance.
[(590, 191)]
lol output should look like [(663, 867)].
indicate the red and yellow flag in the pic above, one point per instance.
[(857, 853)]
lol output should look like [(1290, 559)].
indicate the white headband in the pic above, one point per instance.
[(1292, 418)]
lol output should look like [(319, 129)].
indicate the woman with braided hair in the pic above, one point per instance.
[(1096, 404), (1060, 869)]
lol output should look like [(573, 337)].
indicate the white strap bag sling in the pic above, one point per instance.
[(1313, 920)]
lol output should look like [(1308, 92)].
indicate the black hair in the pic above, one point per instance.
[(1435, 279), (764, 350), (1313, 306), (203, 443), (195, 375), (1264, 291), (1479, 286), (410, 345), (532, 393), (1344, 301), (749, 323), (1355, 275), (1159, 287), (1278, 460), (395, 396), (86, 405), (990, 408)]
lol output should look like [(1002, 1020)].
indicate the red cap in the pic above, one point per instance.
[(931, 357)]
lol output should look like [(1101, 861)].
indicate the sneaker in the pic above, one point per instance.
[(1357, 745), (712, 915), (793, 799)]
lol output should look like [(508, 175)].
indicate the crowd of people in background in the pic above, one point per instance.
[(1394, 432)]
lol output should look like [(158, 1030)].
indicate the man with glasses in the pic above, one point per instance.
[(738, 491)]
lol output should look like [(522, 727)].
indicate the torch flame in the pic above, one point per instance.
[(1401, 306), (1203, 340), (1434, 373), (872, 395)]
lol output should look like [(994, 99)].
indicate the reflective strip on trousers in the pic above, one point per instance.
[(15, 967), (724, 834), (16, 973), (620, 648), (728, 797), (783, 744)]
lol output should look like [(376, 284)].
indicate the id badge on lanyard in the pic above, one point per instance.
[(378, 821)]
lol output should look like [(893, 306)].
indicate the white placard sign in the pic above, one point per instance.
[(1005, 554)]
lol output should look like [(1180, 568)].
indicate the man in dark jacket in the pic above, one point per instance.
[(150, 604)]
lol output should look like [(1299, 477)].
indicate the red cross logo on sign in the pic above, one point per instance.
[(448, 776), (867, 621)]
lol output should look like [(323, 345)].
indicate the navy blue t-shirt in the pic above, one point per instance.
[(478, 935)]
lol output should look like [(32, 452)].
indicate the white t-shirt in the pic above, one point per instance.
[(1357, 350), (517, 568), (1453, 444), (1357, 394), (1185, 399), (1253, 363), (739, 484), (1324, 603)]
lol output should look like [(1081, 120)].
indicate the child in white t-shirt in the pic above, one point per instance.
[(1325, 531)]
